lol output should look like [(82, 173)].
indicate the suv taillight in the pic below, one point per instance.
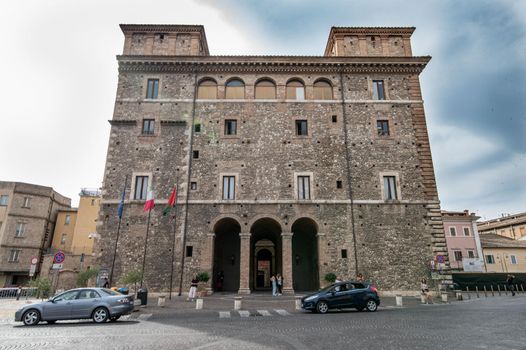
[(373, 288)]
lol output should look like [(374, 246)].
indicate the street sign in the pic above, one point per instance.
[(34, 260), (59, 257), (57, 266), (441, 259), (32, 270)]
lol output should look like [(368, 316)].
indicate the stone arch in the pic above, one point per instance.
[(256, 218), (265, 236), (227, 254), (213, 223), (305, 260)]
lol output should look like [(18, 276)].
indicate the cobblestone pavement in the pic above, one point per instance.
[(492, 323)]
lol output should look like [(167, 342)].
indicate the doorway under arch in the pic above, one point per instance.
[(226, 255), (265, 253), (305, 270)]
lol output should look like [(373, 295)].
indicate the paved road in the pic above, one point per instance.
[(493, 323)]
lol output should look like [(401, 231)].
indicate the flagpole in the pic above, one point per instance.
[(145, 245), (118, 231), (173, 241)]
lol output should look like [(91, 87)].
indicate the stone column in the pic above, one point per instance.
[(286, 261), (244, 263), (208, 261), (321, 242)]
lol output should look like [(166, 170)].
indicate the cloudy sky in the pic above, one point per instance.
[(59, 76)]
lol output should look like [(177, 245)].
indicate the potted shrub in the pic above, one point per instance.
[(203, 278), (330, 277)]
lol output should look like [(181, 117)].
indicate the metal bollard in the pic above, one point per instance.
[(505, 290), (517, 288), (298, 303), (498, 288), (444, 297), (485, 292), (399, 301), (161, 301), (467, 291), (237, 303), (522, 288), (477, 290), (199, 304)]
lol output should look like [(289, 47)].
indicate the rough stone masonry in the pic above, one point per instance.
[(295, 165)]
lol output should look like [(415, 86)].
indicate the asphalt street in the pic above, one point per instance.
[(492, 323)]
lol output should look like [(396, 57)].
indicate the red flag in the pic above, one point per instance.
[(171, 201)]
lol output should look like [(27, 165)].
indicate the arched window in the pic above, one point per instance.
[(295, 90), (265, 89), (207, 90), (235, 89), (322, 90)]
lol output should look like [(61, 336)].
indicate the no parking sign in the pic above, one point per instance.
[(59, 257)]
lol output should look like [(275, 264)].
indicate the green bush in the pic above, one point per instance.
[(43, 286), (132, 277), (84, 276), (203, 277), (330, 277)]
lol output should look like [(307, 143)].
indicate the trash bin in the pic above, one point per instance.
[(142, 295), (123, 290)]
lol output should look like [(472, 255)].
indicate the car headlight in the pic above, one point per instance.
[(311, 298)]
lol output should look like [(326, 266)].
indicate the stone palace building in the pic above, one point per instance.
[(299, 165)]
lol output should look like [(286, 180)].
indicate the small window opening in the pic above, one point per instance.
[(189, 251), (339, 184), (196, 154), (344, 253)]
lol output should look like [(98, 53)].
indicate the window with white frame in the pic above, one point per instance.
[(466, 231), (303, 187), (513, 259), (141, 188), (20, 229), (229, 187), (152, 88), (452, 231), (378, 90), (390, 188), (4, 200), (14, 255), (490, 259), (27, 202)]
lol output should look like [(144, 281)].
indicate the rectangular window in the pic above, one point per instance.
[(4, 200), (378, 90), (148, 126), (67, 220), (152, 90), (301, 128), (471, 254), (229, 183), (334, 118), (189, 251), (466, 231), (303, 187), (452, 231), (383, 127), (141, 187), (20, 229), (513, 259), (390, 188), (195, 154), (14, 255), (230, 127), (197, 127), (490, 259), (458, 255), (63, 239), (27, 202), (193, 185), (339, 184), (344, 253)]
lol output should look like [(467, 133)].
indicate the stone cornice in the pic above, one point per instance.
[(372, 30), (271, 64)]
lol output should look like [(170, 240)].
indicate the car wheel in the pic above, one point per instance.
[(114, 319), (371, 305), (322, 307), (100, 315), (31, 317)]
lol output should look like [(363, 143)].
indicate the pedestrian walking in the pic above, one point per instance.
[(279, 282), (425, 291), (274, 285), (509, 282), (106, 284), (193, 289), (18, 292)]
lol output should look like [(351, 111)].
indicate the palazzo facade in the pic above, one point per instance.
[(298, 165)]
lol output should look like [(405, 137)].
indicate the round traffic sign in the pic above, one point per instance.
[(34, 260), (441, 259), (59, 257)]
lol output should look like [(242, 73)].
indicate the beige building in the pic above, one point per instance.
[(27, 220), (511, 226), (64, 230), (503, 254)]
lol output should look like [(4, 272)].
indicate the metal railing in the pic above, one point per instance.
[(493, 290), (6, 293)]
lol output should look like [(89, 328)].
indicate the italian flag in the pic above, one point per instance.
[(171, 201), (149, 205)]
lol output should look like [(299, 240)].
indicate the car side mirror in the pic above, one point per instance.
[(51, 300)]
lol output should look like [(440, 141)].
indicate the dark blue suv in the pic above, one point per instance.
[(350, 294)]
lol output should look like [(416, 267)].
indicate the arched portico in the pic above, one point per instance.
[(226, 257), (305, 261), (265, 252)]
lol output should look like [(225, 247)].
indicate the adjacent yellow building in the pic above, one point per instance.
[(503, 254)]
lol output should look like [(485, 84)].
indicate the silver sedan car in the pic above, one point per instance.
[(99, 304)]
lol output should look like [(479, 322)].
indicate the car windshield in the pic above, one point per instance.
[(110, 292)]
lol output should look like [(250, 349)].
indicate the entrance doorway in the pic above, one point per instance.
[(265, 253), (226, 256), (305, 255)]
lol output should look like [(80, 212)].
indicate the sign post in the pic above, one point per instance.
[(33, 267)]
